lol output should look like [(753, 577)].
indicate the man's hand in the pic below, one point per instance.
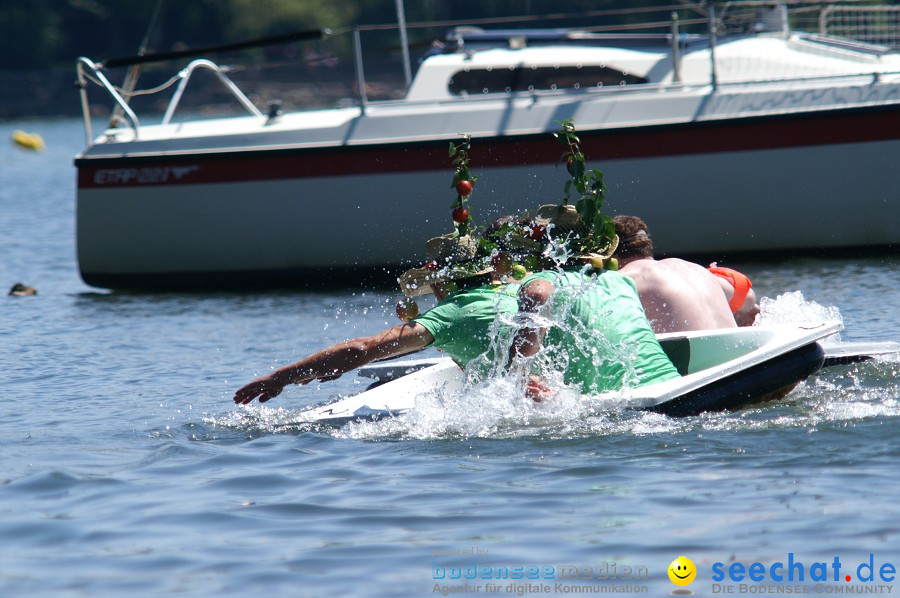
[(265, 388), (537, 389)]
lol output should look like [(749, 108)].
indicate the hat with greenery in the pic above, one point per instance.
[(564, 233), (449, 258)]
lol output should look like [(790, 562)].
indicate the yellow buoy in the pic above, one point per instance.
[(31, 141)]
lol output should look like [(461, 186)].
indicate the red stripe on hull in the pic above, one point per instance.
[(744, 134)]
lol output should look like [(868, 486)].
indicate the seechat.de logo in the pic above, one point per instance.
[(798, 570)]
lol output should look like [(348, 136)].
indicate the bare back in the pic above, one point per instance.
[(678, 295)]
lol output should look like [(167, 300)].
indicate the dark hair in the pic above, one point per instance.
[(634, 237)]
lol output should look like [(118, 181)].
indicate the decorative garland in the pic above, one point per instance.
[(588, 183), (463, 182), (517, 247)]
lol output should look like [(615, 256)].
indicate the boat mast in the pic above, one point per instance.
[(676, 56), (134, 71), (404, 42), (711, 21)]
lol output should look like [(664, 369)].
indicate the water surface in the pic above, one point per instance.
[(127, 469)]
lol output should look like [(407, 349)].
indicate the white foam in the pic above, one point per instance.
[(493, 403), (791, 309)]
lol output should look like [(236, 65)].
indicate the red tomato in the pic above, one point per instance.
[(460, 214), (464, 188), (535, 232)]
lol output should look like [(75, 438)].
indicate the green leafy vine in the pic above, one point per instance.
[(589, 186), (463, 183)]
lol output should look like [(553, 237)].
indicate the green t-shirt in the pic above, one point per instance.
[(599, 324), (465, 325)]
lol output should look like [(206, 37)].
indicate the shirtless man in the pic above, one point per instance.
[(677, 295)]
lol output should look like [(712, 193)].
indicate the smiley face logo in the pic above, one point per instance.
[(682, 571)]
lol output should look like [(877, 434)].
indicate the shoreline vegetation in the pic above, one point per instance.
[(43, 39)]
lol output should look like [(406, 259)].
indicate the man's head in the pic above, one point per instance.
[(634, 238), (450, 259)]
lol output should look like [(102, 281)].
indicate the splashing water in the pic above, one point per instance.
[(496, 408), (260, 420), (791, 309), (493, 403)]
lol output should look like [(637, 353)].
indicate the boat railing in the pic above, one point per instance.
[(119, 95), (101, 80), (737, 17), (870, 24), (185, 75), (539, 95)]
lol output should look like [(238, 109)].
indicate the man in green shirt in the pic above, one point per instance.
[(466, 323), (463, 324), (598, 335), (594, 328)]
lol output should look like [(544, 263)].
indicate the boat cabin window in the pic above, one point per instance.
[(519, 78)]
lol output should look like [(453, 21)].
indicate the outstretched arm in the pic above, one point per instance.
[(330, 363)]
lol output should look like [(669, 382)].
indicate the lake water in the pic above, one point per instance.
[(128, 470)]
